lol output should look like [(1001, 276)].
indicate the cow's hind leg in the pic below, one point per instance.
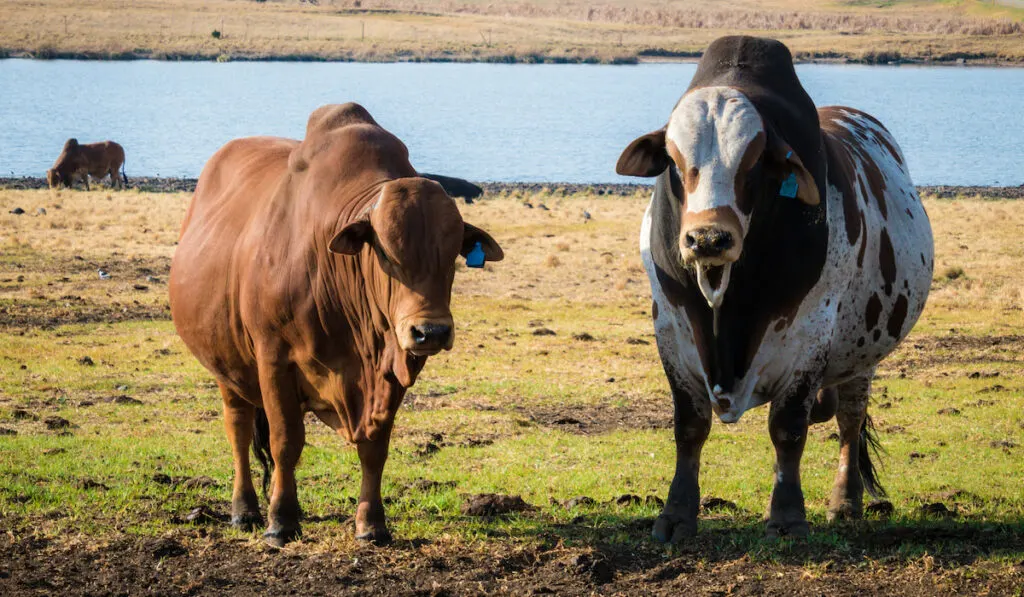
[(287, 438), (238, 419), (855, 439), (678, 519), (371, 524), (788, 420)]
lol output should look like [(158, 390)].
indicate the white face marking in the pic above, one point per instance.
[(712, 128)]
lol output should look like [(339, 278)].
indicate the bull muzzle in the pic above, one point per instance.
[(710, 245), (427, 337)]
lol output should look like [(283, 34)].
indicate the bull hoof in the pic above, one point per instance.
[(375, 536), (248, 521), (281, 536), (672, 529), (796, 529), (845, 511)]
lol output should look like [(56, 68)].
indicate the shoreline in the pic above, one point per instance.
[(646, 56), (187, 185)]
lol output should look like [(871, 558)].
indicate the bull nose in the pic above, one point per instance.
[(708, 241), (431, 335)]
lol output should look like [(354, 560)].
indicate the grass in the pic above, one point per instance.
[(526, 31), (547, 417)]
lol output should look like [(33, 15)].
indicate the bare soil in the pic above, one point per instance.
[(198, 560)]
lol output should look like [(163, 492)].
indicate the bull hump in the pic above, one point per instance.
[(334, 116)]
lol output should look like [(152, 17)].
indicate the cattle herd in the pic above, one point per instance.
[(787, 249)]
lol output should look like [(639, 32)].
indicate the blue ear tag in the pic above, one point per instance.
[(789, 186), (476, 258)]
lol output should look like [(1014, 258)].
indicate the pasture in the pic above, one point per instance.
[(115, 471), (526, 31)]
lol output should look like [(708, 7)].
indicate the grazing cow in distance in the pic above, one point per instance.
[(316, 276), (456, 187), (91, 159), (788, 253)]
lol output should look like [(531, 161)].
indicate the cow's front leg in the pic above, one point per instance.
[(678, 520), (287, 438), (371, 524), (238, 419), (787, 423)]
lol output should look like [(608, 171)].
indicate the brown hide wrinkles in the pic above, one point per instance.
[(328, 311)]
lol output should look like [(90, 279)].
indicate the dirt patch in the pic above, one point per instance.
[(50, 313), (922, 353), (198, 560), (601, 418)]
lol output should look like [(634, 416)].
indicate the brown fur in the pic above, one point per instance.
[(303, 273), (82, 161)]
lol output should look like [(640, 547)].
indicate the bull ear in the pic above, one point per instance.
[(646, 156), (352, 238), (472, 235), (796, 179)]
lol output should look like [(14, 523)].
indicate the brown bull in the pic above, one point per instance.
[(92, 159), (316, 276)]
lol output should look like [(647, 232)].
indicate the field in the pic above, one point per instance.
[(115, 471), (523, 31)]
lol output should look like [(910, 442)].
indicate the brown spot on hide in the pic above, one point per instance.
[(860, 341), (897, 317), (910, 214), (863, 242), (654, 309), (877, 335), (887, 261), (876, 182), (874, 309), (781, 325)]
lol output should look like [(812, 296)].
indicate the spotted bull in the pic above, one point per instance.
[(788, 253), (316, 276)]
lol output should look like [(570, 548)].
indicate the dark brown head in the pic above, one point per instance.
[(53, 178), (416, 233)]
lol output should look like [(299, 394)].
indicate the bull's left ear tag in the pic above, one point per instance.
[(789, 186), (475, 258)]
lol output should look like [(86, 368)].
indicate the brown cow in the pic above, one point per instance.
[(316, 276), (92, 159)]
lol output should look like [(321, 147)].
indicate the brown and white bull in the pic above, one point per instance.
[(316, 276), (788, 253)]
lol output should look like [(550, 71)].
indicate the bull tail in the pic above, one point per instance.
[(869, 445), (261, 448), (124, 176)]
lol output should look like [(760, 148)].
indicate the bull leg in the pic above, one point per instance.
[(847, 500), (678, 519), (287, 438), (371, 523), (238, 419), (788, 420)]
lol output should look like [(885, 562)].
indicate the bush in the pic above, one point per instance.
[(215, 34)]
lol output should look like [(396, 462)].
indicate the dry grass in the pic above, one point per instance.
[(551, 255), (542, 30)]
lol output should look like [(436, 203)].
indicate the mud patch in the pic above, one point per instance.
[(200, 561), (494, 504), (601, 418)]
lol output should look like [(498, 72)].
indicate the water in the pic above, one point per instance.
[(959, 126)]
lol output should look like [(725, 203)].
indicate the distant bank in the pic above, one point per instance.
[(187, 185)]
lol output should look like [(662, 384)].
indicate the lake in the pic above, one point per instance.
[(485, 122)]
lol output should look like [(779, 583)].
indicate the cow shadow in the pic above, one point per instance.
[(626, 540)]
